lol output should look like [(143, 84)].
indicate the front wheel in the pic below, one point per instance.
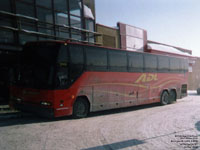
[(80, 108), (164, 99)]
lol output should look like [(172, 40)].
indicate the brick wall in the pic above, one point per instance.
[(194, 76)]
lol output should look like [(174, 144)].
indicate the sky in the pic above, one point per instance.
[(173, 22)]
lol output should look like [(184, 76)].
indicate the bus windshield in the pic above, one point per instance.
[(38, 65)]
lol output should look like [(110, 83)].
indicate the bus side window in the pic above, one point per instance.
[(163, 64), (136, 63), (76, 61), (150, 62), (62, 75), (96, 59), (182, 65), (174, 65), (186, 65), (118, 61)]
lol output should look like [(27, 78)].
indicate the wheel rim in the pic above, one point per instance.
[(81, 109), (165, 99)]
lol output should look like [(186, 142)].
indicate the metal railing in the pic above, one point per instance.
[(22, 20)]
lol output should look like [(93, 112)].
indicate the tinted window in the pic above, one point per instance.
[(5, 5), (44, 15), (174, 64), (150, 62), (63, 55), (186, 65), (96, 58), (40, 54), (118, 61), (44, 3), (60, 5), (135, 62), (75, 8), (182, 64), (76, 54), (76, 61), (25, 9), (163, 63)]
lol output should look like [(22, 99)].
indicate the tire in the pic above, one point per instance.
[(80, 108), (164, 99), (172, 96)]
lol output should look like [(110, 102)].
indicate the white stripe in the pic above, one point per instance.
[(62, 108)]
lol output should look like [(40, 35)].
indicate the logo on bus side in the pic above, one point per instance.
[(147, 77)]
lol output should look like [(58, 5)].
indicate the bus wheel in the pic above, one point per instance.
[(164, 99), (80, 108), (172, 96)]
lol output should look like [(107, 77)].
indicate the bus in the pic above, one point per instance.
[(59, 78)]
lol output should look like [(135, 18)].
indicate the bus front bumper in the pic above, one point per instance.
[(40, 111)]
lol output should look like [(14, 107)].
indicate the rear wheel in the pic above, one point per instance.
[(172, 97), (164, 99), (80, 108)]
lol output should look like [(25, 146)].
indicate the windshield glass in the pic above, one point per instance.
[(38, 63)]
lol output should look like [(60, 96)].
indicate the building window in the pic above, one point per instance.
[(75, 7), (25, 9), (44, 15), (75, 21), (6, 36), (5, 5), (61, 5), (25, 38), (44, 3), (55, 17)]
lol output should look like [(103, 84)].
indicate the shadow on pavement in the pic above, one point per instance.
[(133, 142), (17, 118), (21, 118), (117, 145), (121, 110), (197, 125)]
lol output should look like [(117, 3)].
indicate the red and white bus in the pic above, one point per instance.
[(65, 78)]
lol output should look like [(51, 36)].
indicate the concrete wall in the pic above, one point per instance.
[(110, 36), (194, 76)]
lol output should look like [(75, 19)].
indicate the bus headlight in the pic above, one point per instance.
[(19, 100), (13, 98), (45, 103)]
